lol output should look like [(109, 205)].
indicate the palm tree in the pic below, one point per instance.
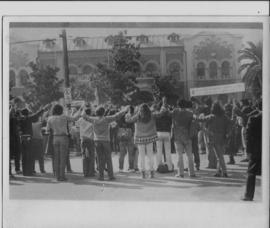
[(251, 65)]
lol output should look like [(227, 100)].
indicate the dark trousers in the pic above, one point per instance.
[(68, 165), (250, 186), (27, 156), (195, 151), (88, 157), (15, 151), (126, 146), (38, 152), (103, 149)]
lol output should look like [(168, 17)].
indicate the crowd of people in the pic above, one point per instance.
[(155, 130)]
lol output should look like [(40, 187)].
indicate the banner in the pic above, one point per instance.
[(220, 89), (67, 95)]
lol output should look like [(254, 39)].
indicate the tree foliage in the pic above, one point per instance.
[(116, 80), (44, 86), (251, 65)]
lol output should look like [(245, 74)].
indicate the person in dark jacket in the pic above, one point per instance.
[(163, 125), (26, 133), (254, 150)]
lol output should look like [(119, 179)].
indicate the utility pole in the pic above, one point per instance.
[(67, 89)]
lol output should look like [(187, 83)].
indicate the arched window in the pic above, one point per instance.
[(136, 67), (225, 69), (151, 69), (73, 70), (201, 70), (12, 79), (24, 77), (213, 70), (87, 69), (174, 70)]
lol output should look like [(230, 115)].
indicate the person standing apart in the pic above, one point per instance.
[(145, 135), (87, 145), (254, 150), (57, 124), (101, 126)]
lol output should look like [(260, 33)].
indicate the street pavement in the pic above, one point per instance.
[(131, 187)]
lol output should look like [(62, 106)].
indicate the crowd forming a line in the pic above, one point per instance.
[(190, 128)]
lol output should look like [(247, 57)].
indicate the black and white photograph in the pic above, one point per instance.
[(128, 110)]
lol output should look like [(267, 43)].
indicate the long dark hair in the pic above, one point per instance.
[(217, 109), (145, 113)]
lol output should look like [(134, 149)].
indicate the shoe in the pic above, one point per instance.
[(198, 168), (231, 162), (192, 176), (247, 199), (245, 160), (211, 167), (11, 176), (121, 171), (112, 178), (62, 179), (136, 170), (225, 175), (179, 175), (42, 171), (34, 171), (143, 175), (217, 175), (101, 178), (186, 169), (19, 172), (152, 174)]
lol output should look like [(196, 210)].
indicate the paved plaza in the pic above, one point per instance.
[(130, 186)]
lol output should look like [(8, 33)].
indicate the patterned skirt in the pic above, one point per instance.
[(145, 139)]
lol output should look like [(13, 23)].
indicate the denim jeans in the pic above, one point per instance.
[(103, 149), (126, 146), (88, 156), (181, 147), (60, 148), (218, 149), (164, 139)]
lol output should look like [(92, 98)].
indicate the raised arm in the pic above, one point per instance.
[(74, 117), (118, 115), (132, 118)]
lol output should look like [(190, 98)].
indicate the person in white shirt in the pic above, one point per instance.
[(87, 145)]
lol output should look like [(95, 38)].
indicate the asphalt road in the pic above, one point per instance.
[(131, 187)]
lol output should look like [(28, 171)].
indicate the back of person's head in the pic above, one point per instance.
[(88, 111), (100, 111), (145, 113), (57, 110), (131, 109), (189, 104), (245, 102), (25, 112), (217, 109), (182, 103)]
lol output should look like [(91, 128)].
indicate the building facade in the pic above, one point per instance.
[(204, 59)]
